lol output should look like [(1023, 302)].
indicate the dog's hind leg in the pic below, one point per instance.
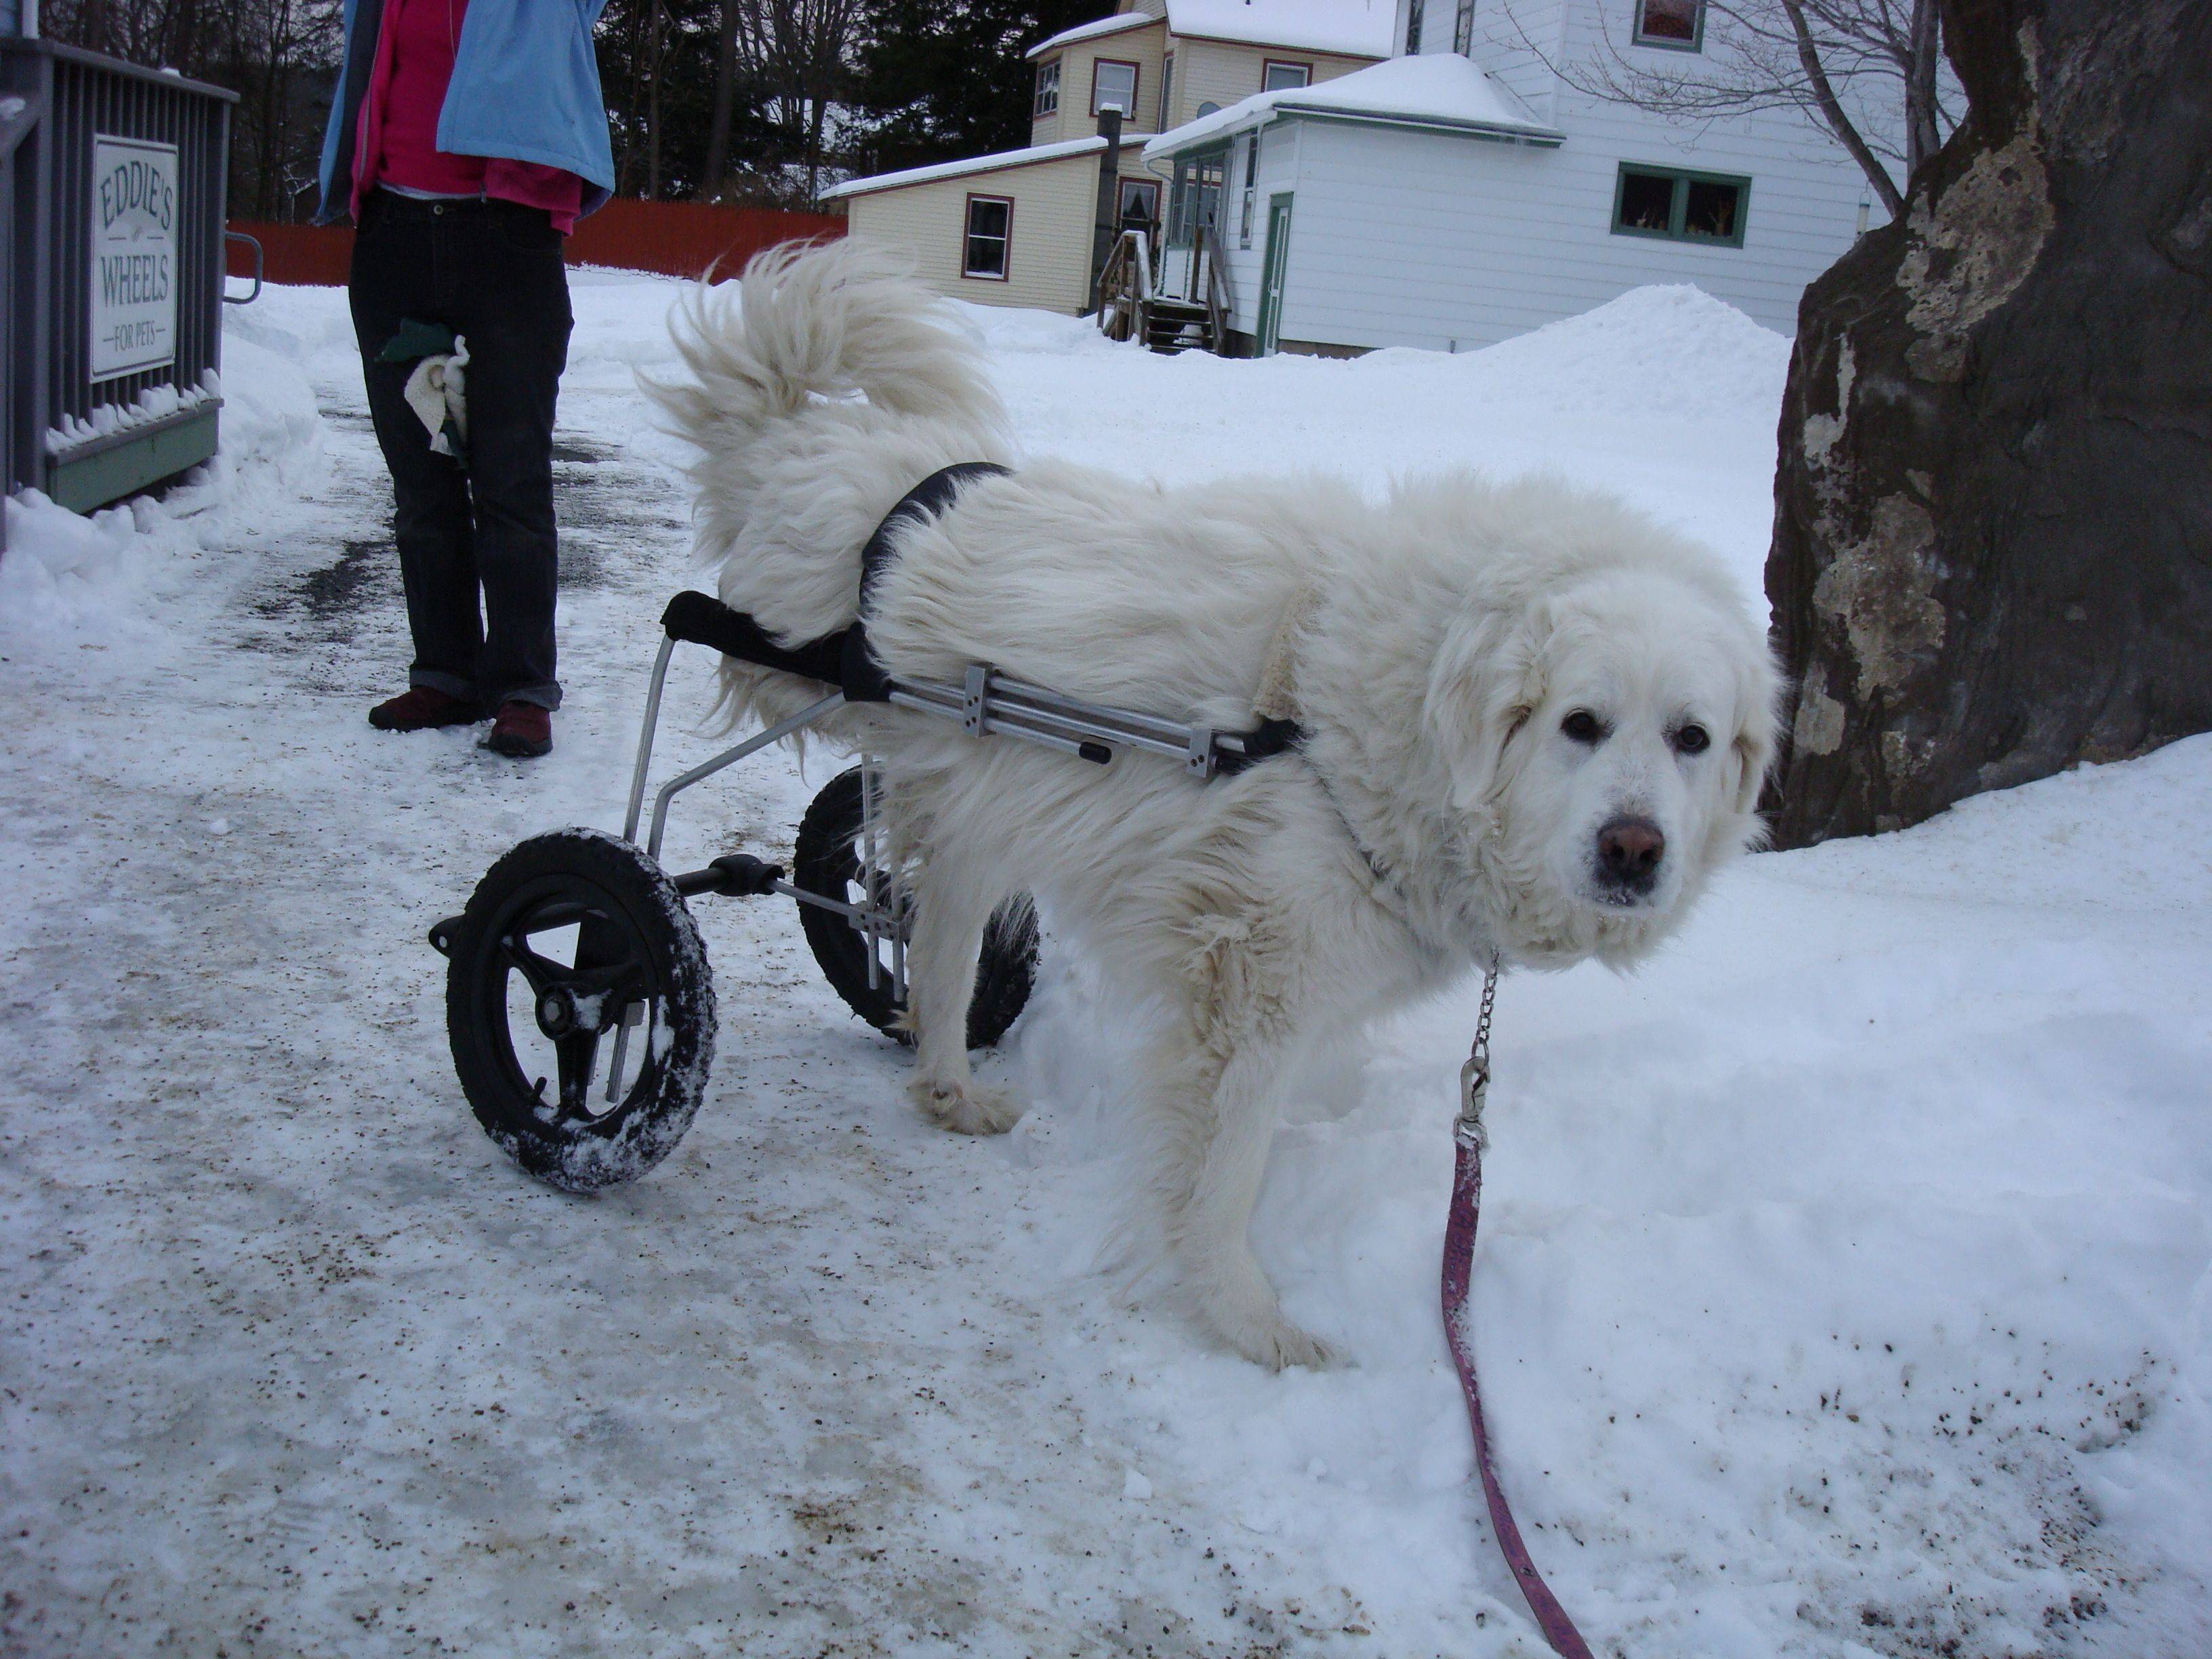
[(951, 910)]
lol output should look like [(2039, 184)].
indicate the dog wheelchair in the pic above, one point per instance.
[(580, 943)]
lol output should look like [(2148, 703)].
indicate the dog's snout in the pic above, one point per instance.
[(1628, 853)]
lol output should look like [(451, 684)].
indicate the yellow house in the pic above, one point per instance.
[(1018, 228), (1166, 62), (1009, 229)]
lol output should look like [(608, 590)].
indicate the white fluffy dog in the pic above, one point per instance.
[(1535, 722)]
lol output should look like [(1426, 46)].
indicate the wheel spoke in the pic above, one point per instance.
[(541, 972), (626, 980), (576, 1056)]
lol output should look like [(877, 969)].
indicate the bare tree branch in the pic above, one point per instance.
[(1866, 72), (1831, 111)]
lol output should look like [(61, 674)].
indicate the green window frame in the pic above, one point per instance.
[(1682, 187)]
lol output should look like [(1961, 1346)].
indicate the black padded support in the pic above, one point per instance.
[(702, 619)]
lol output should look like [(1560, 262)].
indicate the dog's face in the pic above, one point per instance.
[(1611, 748)]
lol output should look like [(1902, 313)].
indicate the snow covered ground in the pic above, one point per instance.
[(1843, 1282)]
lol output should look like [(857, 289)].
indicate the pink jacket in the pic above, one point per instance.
[(396, 142)]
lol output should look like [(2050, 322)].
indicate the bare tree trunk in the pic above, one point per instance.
[(652, 108), (1923, 137), (1993, 515), (274, 110), (814, 151), (725, 90)]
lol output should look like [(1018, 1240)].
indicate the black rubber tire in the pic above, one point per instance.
[(613, 888), (826, 861)]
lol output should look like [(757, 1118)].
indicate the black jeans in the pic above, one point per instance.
[(492, 272)]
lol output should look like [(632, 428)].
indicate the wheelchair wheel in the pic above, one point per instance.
[(580, 1008), (828, 860)]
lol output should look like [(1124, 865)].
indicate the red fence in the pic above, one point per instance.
[(676, 238)]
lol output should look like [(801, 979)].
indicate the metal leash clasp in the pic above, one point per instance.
[(1474, 1075)]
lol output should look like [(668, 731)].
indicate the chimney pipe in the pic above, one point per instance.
[(1108, 223)]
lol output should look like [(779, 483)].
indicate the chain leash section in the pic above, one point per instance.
[(1474, 1075)]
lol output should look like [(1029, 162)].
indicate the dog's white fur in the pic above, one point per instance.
[(1436, 815)]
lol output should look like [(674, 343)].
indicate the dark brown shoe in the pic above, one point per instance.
[(419, 710), (521, 730)]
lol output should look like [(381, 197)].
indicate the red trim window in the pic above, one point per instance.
[(1280, 74), (1140, 204), (988, 238), (1113, 80)]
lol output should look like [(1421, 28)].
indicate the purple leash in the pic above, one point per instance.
[(1459, 1255)]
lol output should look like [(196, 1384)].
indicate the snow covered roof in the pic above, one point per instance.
[(1439, 89), (1360, 28), (1357, 28), (1116, 25), (1005, 158)]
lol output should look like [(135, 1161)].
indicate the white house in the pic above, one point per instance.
[(1018, 227), (1465, 191)]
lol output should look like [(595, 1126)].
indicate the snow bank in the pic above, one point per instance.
[(1665, 395), (1669, 350), (1843, 1281), (67, 579)]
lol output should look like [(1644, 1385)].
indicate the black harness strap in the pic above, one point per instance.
[(864, 677), (1263, 742)]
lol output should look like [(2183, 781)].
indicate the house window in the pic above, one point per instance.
[(990, 229), (1679, 25), (1167, 91), (1276, 75), (1413, 28), (1114, 86), (1463, 28), (1140, 204), (1194, 199), (1048, 89), (1683, 207), (1209, 108)]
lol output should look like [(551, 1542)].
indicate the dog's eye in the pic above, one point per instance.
[(1692, 740), (1583, 726)]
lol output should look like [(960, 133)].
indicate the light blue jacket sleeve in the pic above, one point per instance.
[(525, 87)]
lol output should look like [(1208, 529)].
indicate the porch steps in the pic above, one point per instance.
[(1173, 326)]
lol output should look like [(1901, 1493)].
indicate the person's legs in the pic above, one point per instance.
[(510, 300), (392, 279)]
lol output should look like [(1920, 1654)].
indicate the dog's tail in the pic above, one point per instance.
[(809, 323), (823, 385)]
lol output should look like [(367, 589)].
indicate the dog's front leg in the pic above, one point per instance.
[(951, 914), (1222, 1120)]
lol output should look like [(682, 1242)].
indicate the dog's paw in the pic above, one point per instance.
[(1276, 1343), (967, 1108)]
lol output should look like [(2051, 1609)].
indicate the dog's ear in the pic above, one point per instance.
[(1487, 680), (1759, 695)]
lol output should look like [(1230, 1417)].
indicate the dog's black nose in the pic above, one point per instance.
[(1628, 853)]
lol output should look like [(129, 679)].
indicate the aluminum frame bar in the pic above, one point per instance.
[(705, 769)]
